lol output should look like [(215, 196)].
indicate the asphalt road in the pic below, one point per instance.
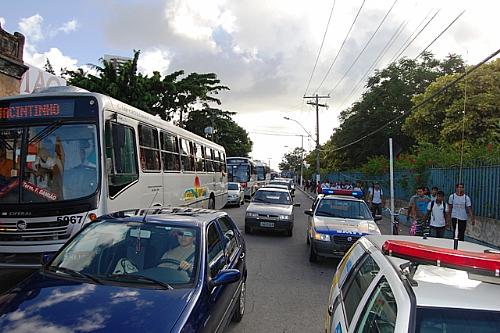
[(285, 292)]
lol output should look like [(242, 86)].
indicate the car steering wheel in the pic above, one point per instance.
[(170, 261)]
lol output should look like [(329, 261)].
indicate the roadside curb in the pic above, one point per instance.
[(310, 196)]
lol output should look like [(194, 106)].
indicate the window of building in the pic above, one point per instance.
[(170, 152), (150, 152)]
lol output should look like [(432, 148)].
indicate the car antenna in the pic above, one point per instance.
[(149, 207)]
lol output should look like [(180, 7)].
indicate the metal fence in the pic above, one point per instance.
[(482, 184)]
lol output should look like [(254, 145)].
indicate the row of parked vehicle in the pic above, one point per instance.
[(184, 270)]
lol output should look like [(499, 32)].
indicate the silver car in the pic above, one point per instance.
[(235, 194), (270, 209)]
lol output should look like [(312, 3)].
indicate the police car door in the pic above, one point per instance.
[(385, 305), (335, 319)]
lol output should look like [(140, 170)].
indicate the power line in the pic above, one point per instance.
[(425, 101), (364, 48), (408, 44), (320, 48), (275, 134), (380, 55), (442, 32), (423, 28), (410, 36), (340, 49)]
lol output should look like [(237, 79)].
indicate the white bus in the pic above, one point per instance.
[(263, 174), (67, 157), (244, 171)]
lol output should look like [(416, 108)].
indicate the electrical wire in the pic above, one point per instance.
[(463, 129), (425, 101), (364, 48), (320, 48), (382, 52), (442, 32), (340, 49), (410, 36), (418, 34)]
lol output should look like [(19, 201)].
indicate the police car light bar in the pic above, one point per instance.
[(356, 194), (444, 257)]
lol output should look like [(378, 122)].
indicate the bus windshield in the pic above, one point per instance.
[(47, 163), (261, 173), (238, 173)]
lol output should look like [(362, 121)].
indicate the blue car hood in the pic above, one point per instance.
[(49, 304)]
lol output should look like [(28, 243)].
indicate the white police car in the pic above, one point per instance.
[(407, 284), (337, 220)]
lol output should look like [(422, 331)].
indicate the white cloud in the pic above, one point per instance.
[(31, 27), (198, 19), (68, 26), (2, 22), (55, 56), (154, 60)]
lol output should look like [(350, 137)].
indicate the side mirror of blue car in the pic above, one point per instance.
[(46, 258), (226, 276)]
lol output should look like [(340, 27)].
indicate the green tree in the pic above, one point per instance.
[(292, 160), (389, 95), (48, 67), (226, 131), (170, 96), (440, 121)]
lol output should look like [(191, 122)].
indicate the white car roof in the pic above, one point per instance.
[(443, 287), (273, 189), (340, 197)]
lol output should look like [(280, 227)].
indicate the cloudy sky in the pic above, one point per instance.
[(263, 50)]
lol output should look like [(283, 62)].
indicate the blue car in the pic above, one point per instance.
[(173, 270)]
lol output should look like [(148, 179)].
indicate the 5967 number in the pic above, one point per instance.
[(71, 219)]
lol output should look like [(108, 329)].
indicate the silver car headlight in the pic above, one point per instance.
[(252, 214), (284, 217)]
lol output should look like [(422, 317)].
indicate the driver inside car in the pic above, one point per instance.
[(182, 256)]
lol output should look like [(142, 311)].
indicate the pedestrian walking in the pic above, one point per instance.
[(434, 191), (437, 215), (418, 208), (318, 188), (460, 205), (376, 199)]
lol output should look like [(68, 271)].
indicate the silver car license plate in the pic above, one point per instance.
[(267, 224)]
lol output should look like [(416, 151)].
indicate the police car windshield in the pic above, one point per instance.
[(113, 251), (348, 209), (456, 320)]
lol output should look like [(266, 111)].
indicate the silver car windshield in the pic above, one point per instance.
[(272, 197)]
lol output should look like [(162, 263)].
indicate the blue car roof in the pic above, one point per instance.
[(181, 215)]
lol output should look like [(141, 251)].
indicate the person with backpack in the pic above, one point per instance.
[(437, 215), (460, 205), (376, 199)]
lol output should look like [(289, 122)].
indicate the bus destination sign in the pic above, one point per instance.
[(37, 109)]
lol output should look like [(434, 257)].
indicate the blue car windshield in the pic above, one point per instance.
[(348, 209), (132, 252)]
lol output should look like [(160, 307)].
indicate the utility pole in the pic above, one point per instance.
[(317, 104)]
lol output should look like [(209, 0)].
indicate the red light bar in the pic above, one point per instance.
[(446, 257)]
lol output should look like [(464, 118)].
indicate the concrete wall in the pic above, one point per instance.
[(9, 85), (12, 67)]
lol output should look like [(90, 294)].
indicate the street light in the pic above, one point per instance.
[(302, 148)]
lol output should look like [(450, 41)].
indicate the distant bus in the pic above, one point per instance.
[(263, 173), (244, 171), (67, 157)]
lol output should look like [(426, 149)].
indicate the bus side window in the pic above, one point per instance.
[(150, 153), (121, 157), (199, 153), (169, 152)]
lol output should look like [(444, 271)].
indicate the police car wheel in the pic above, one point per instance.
[(307, 239)]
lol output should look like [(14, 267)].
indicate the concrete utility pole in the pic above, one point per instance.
[(316, 103)]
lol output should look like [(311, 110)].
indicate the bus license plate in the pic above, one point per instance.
[(267, 224)]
